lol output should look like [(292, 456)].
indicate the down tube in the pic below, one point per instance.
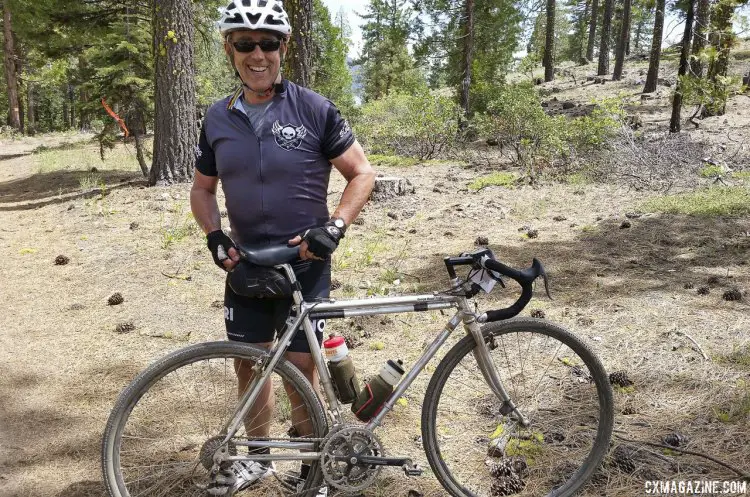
[(418, 367)]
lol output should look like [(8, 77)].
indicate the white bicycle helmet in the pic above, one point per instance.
[(267, 15)]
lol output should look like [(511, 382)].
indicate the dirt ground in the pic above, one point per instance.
[(630, 293)]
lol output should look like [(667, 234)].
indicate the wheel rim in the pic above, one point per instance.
[(167, 437), (553, 387)]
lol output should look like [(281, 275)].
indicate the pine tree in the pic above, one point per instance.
[(655, 56), (674, 122), (549, 44), (299, 60), (622, 42), (592, 31), (702, 18), (385, 59), (11, 68), (606, 38), (331, 75), (173, 41)]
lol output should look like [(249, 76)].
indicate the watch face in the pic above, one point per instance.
[(334, 230), (339, 223)]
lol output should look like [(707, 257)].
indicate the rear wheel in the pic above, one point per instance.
[(162, 433), (476, 449)]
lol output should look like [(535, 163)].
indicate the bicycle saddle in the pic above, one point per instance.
[(269, 256)]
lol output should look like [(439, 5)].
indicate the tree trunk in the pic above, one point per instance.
[(653, 64), (11, 71), (674, 123), (468, 55), (622, 44), (592, 30), (722, 38), (175, 132), (65, 107), (139, 152), (699, 39), (299, 62), (549, 43), (603, 68), (30, 109), (581, 29)]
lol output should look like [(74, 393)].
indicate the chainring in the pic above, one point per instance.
[(339, 448)]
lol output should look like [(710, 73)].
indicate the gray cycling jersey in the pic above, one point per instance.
[(275, 181)]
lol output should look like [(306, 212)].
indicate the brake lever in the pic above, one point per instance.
[(545, 278)]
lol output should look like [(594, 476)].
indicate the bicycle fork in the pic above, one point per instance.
[(487, 367)]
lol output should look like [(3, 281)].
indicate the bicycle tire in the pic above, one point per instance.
[(169, 367), (588, 383)]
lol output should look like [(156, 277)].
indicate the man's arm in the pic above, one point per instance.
[(205, 210), (203, 202), (360, 178)]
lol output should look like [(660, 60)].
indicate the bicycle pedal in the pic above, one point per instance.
[(414, 470)]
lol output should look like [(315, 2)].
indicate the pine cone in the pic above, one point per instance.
[(115, 299), (732, 295), (507, 485), (125, 327), (511, 466), (61, 260), (620, 378), (703, 290), (622, 459), (537, 313), (676, 440)]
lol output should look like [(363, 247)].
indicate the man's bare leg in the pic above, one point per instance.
[(258, 420)]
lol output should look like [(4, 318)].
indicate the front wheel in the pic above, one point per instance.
[(477, 449), (168, 423)]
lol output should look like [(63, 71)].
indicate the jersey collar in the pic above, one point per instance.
[(234, 99)]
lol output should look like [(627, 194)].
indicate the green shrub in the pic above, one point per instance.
[(530, 137), (712, 95), (391, 160), (711, 171), (423, 125), (495, 179), (534, 140), (714, 201)]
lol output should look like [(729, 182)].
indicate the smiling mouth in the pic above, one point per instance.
[(258, 69)]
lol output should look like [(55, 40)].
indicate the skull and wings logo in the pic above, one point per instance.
[(288, 136)]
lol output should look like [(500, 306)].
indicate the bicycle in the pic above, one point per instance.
[(490, 426)]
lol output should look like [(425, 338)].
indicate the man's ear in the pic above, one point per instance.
[(227, 46)]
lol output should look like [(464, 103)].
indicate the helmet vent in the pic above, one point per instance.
[(236, 19), (262, 3), (278, 8)]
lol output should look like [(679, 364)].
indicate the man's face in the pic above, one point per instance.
[(257, 68)]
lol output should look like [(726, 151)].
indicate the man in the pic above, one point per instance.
[(272, 145)]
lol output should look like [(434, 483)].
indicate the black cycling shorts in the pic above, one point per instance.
[(258, 320)]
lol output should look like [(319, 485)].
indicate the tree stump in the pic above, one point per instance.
[(387, 187)]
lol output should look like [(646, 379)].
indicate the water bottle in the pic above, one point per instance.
[(376, 392), (341, 367)]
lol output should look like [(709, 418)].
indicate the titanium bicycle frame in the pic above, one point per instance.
[(348, 308)]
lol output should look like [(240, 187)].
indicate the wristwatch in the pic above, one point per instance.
[(336, 226)]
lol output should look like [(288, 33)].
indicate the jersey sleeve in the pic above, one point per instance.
[(338, 136), (205, 161)]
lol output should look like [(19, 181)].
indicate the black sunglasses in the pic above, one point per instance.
[(247, 46)]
